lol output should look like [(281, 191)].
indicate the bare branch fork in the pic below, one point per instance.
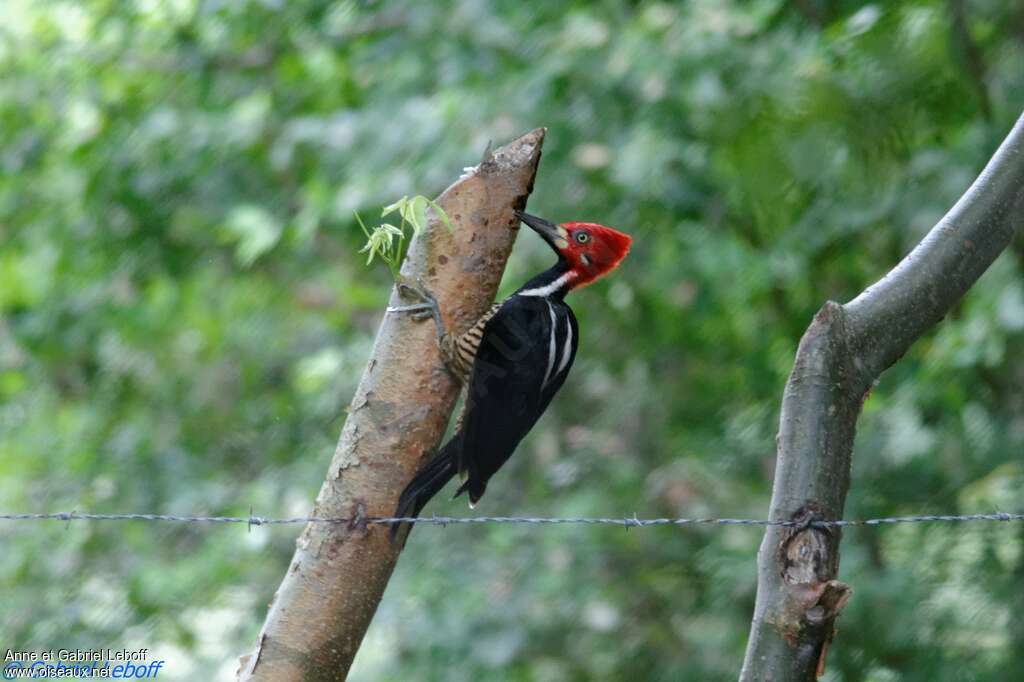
[(338, 573), (842, 353)]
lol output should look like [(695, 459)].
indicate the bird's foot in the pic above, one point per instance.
[(427, 307)]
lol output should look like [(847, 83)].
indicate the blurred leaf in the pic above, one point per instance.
[(255, 230)]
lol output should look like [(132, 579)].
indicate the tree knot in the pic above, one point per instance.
[(806, 549)]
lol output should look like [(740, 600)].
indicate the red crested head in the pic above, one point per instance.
[(593, 250), (589, 249)]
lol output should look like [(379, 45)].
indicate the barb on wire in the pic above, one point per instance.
[(628, 522)]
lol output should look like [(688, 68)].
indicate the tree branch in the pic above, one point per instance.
[(400, 411), (840, 356)]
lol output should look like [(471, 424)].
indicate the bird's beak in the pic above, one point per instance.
[(553, 234)]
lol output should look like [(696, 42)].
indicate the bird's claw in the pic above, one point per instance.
[(417, 311), (417, 290), (422, 315), (427, 307)]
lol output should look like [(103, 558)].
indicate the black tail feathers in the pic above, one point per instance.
[(473, 485), (427, 482)]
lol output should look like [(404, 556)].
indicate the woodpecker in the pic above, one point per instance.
[(512, 361)]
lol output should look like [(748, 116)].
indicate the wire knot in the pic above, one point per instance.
[(358, 519), (253, 521)]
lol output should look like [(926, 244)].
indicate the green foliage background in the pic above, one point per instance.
[(183, 318)]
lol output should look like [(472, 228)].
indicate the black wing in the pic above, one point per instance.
[(523, 358)]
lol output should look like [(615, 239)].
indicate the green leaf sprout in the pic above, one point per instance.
[(387, 242)]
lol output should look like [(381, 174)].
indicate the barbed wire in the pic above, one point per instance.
[(433, 520)]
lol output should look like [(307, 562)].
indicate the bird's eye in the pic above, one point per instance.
[(582, 237)]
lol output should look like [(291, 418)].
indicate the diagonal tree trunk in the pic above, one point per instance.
[(842, 353), (336, 578)]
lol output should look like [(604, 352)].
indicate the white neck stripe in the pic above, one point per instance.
[(551, 346), (567, 349), (549, 289)]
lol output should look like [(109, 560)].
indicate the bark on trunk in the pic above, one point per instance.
[(338, 573), (842, 353)]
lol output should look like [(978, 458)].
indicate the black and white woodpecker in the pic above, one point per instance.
[(512, 361)]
